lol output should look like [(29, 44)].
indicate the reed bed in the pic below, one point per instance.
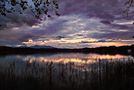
[(100, 75)]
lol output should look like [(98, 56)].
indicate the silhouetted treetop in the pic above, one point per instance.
[(37, 7), (129, 4)]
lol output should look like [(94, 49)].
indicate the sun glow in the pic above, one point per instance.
[(74, 59), (30, 40), (106, 57), (77, 42), (100, 44)]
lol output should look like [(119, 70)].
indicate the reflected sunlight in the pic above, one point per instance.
[(78, 59)]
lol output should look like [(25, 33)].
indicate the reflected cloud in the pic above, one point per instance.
[(76, 58)]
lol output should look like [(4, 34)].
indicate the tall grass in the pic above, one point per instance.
[(101, 75)]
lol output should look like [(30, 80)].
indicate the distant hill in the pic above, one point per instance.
[(125, 50), (39, 47)]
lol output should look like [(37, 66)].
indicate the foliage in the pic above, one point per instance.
[(37, 7)]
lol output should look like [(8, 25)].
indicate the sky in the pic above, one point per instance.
[(83, 23)]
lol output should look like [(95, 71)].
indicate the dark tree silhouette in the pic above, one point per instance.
[(37, 7), (129, 4)]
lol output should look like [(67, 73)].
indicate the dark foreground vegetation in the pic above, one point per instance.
[(124, 50), (101, 75)]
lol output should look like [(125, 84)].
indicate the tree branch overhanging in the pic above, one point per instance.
[(37, 7), (129, 4)]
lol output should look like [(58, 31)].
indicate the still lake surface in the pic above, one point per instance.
[(67, 70)]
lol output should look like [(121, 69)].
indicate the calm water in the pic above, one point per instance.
[(72, 70)]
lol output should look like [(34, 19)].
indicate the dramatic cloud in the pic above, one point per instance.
[(83, 23)]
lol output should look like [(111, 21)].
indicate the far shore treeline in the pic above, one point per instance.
[(124, 50)]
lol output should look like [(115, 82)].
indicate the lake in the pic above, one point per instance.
[(66, 71)]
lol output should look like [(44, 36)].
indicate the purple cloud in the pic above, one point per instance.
[(79, 19)]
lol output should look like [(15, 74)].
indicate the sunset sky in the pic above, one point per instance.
[(83, 23)]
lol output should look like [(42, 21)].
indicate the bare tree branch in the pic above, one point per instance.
[(37, 7), (129, 4)]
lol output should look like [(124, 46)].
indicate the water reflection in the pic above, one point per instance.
[(64, 58), (77, 70)]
